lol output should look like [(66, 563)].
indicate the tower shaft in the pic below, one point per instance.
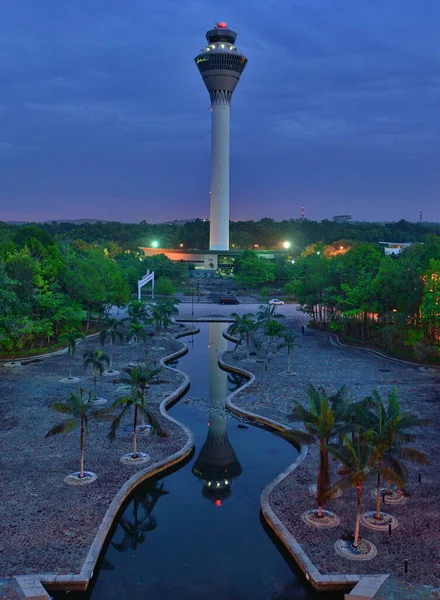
[(220, 65), (219, 203)]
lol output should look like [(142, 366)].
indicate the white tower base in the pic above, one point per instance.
[(219, 205)]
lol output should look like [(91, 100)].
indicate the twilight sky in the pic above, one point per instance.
[(103, 113)]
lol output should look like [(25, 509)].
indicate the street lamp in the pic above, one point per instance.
[(154, 244), (286, 245)]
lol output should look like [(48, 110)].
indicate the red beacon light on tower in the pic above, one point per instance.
[(222, 25)]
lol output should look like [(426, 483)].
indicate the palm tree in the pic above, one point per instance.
[(323, 419), (391, 428), (358, 459), (245, 326), (136, 332), (111, 330), (97, 360), (138, 381), (81, 410), (273, 329), (266, 313), (71, 339), (289, 342), (137, 311), (157, 315), (169, 309)]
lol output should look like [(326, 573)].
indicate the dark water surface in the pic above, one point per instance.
[(196, 532)]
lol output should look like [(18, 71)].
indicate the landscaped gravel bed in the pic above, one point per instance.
[(47, 526), (418, 533)]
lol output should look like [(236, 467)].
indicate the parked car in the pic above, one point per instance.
[(229, 300), (276, 302)]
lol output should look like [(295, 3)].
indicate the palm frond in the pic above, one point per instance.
[(64, 427), (116, 423)]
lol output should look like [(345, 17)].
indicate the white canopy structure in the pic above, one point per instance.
[(146, 279)]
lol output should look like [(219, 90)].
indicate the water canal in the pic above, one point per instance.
[(196, 533)]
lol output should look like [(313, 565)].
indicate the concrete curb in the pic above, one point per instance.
[(320, 582), (338, 342), (80, 582)]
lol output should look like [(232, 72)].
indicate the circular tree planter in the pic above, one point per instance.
[(75, 479), (70, 380), (123, 389), (110, 373), (128, 459), (365, 550), (313, 491), (99, 401), (396, 496), (382, 524), (12, 365), (135, 364), (328, 519), (144, 429)]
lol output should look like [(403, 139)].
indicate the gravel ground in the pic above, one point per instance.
[(322, 363), (47, 526)]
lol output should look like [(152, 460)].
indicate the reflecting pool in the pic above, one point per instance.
[(196, 533)]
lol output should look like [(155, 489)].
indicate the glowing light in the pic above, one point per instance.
[(341, 247), (222, 25), (218, 502), (181, 245), (286, 245), (155, 244), (255, 245), (318, 253)]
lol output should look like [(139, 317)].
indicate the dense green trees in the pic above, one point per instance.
[(363, 293)]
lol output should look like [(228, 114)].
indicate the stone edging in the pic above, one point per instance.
[(80, 582), (335, 338), (338, 581)]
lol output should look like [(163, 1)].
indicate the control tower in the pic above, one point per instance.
[(221, 65)]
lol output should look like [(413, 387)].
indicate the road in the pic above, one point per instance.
[(200, 310), (205, 309)]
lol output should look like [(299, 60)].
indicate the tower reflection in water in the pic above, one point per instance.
[(217, 464)]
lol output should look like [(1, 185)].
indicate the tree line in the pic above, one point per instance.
[(391, 300), (49, 286), (264, 234)]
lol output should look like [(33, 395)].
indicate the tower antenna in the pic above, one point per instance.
[(420, 215)]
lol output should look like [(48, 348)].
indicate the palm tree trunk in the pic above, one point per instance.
[(288, 361), (323, 482), (94, 380), (81, 451), (358, 514), (378, 493), (247, 343), (70, 367), (134, 432), (111, 353)]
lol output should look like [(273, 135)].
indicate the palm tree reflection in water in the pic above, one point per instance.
[(143, 521)]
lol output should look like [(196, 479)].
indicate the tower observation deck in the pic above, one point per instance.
[(220, 65)]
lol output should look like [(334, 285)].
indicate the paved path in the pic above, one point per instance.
[(206, 309)]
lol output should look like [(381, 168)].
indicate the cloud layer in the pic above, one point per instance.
[(104, 115)]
